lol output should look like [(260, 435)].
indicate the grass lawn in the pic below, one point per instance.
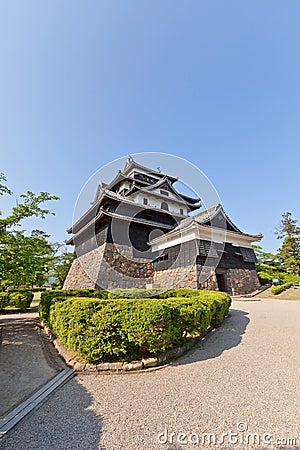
[(36, 299), (291, 294)]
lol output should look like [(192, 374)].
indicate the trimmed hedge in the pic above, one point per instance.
[(283, 287), (37, 289), (4, 300), (183, 292), (49, 297), (110, 329), (210, 298), (135, 293), (152, 293), (21, 300)]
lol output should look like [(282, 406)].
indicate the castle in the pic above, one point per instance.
[(141, 232)]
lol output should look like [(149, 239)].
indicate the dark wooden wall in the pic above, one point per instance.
[(189, 253)]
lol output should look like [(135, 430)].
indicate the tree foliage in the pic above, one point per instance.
[(268, 266), (289, 252), (25, 259), (285, 263), (61, 267), (266, 260), (30, 205)]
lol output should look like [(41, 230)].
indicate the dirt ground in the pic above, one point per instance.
[(27, 360)]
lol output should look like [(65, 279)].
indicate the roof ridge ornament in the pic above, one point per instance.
[(129, 160)]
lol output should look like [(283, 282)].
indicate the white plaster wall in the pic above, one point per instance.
[(155, 202), (124, 185), (209, 234)]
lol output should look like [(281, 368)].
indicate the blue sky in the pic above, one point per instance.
[(217, 83)]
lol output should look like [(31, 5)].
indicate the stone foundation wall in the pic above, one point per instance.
[(77, 278), (206, 278), (242, 281), (120, 270), (121, 260), (108, 267), (84, 270), (210, 284), (179, 277)]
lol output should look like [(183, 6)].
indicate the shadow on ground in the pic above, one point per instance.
[(25, 363), (226, 336), (12, 311), (63, 422)]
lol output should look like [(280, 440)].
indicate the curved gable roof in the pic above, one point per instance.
[(216, 216)]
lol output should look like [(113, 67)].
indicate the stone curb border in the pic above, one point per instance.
[(73, 360)]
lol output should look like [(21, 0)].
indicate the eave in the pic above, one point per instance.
[(115, 196), (190, 199), (194, 230), (118, 198), (103, 213), (166, 182)]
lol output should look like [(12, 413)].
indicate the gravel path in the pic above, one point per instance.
[(245, 374), (24, 366)]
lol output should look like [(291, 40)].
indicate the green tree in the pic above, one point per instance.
[(266, 260), (25, 259), (289, 252), (61, 267), (268, 266)]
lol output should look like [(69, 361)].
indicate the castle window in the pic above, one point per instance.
[(208, 249), (248, 255), (164, 192), (164, 206), (146, 178), (181, 211), (145, 201), (162, 258)]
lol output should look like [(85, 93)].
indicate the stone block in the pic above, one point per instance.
[(91, 367), (101, 367), (117, 366), (78, 366), (133, 365), (149, 362)]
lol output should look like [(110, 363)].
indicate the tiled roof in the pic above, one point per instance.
[(204, 217)]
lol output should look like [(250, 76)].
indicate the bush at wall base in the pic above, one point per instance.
[(127, 328)]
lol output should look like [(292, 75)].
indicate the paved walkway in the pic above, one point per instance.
[(25, 364), (245, 375)]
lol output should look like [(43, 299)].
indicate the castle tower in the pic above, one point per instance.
[(139, 233), (112, 238)]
